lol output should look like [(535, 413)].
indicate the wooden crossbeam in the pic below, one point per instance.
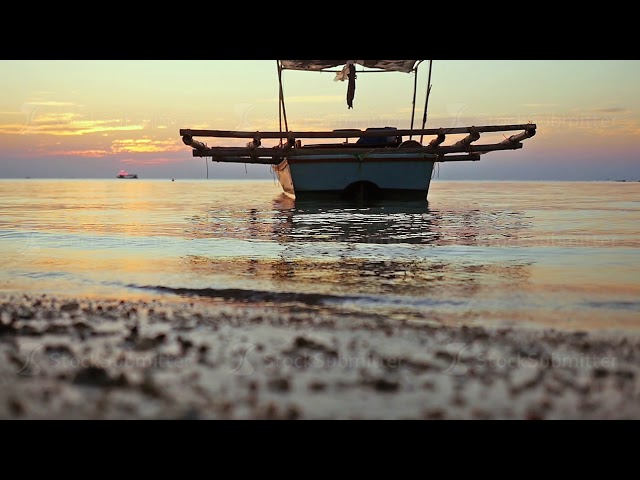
[(356, 133), (297, 152), (472, 157)]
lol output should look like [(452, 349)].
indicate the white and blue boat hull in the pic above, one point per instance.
[(383, 175)]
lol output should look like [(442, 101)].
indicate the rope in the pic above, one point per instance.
[(362, 156)]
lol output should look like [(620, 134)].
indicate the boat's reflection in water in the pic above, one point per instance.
[(341, 221), (391, 254), (388, 247)]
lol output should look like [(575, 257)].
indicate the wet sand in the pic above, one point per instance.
[(66, 358)]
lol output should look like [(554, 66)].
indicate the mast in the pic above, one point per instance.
[(281, 96), (279, 99), (415, 91), (426, 102)]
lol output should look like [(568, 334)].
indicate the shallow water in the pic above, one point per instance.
[(564, 255)]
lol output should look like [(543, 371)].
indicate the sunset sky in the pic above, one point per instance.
[(93, 118)]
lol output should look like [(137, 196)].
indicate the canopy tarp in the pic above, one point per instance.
[(319, 65)]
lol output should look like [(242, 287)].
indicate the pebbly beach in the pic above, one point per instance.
[(94, 358)]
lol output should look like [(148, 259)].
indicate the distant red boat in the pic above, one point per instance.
[(125, 174)]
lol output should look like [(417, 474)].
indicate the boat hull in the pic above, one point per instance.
[(388, 176)]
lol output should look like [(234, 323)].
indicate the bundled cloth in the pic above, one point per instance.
[(348, 72)]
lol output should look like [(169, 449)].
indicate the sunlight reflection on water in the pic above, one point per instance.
[(560, 254)]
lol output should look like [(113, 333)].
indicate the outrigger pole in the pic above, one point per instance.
[(435, 149)]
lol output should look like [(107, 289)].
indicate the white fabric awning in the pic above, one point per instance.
[(319, 65)]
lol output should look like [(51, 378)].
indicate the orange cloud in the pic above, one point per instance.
[(153, 161), (307, 99), (619, 127), (41, 116), (90, 153), (64, 124), (99, 147), (51, 103), (612, 110), (145, 145)]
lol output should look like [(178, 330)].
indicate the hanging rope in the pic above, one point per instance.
[(361, 156)]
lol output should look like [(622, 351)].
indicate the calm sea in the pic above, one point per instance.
[(562, 255)]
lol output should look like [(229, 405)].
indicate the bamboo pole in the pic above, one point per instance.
[(195, 144), (472, 157), (468, 140), (369, 152), (355, 133), (439, 140), (528, 133)]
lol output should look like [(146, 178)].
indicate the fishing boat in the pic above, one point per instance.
[(125, 174), (382, 162)]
